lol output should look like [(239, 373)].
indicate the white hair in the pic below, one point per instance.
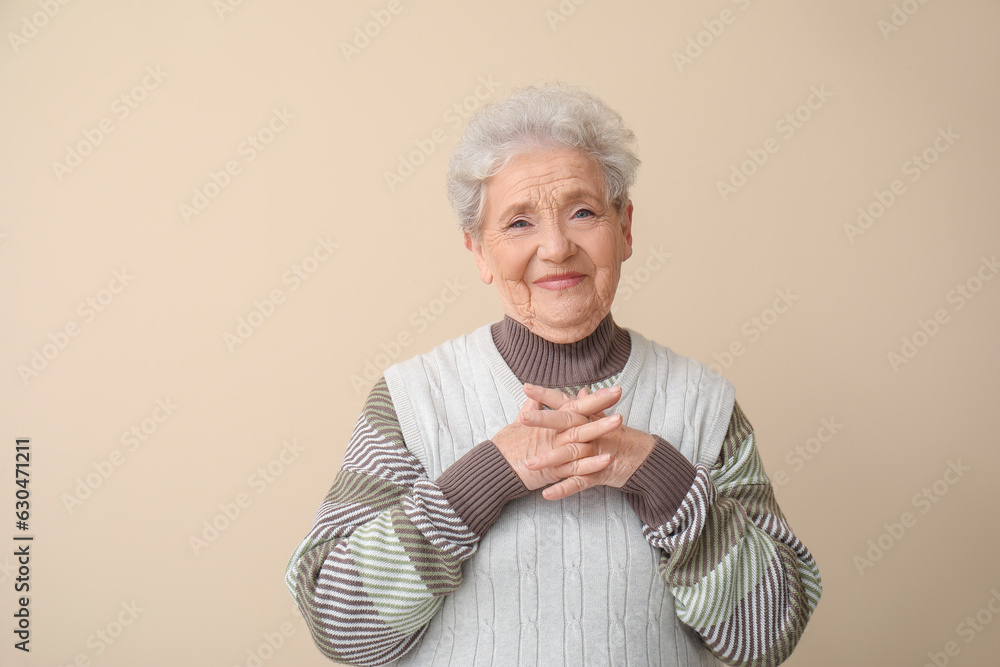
[(538, 118)]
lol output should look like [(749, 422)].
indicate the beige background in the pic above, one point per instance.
[(223, 69)]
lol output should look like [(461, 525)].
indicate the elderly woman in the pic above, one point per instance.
[(551, 489)]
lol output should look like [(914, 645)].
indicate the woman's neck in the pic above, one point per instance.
[(536, 360)]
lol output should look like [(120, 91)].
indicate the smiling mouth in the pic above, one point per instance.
[(560, 281)]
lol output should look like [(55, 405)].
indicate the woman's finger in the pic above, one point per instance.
[(592, 430), (530, 405), (552, 398), (584, 467), (584, 391), (586, 404), (589, 404), (575, 484), (572, 451), (557, 420)]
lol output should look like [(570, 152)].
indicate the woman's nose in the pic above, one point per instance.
[(554, 244)]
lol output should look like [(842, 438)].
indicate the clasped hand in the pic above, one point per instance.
[(573, 446)]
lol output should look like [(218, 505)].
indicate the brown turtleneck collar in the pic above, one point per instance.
[(536, 360)]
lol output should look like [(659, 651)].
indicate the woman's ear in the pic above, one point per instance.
[(476, 247), (627, 230)]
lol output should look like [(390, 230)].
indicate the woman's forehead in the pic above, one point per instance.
[(534, 180)]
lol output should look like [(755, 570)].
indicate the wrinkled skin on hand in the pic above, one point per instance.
[(572, 446)]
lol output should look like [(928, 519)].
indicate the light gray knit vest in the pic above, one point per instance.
[(570, 582)]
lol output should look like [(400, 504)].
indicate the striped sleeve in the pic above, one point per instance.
[(384, 549), (739, 576)]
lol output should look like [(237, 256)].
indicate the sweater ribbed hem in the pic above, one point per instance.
[(535, 360), (477, 503), (658, 487)]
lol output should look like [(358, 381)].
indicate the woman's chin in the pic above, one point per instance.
[(566, 327)]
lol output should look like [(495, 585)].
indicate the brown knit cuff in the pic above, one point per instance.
[(657, 488), (479, 484)]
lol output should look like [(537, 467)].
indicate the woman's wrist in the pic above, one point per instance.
[(479, 484), (658, 486)]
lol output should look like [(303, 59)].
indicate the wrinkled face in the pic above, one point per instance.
[(551, 244)]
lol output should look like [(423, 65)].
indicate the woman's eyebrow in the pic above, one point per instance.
[(564, 198), (576, 194), (517, 208)]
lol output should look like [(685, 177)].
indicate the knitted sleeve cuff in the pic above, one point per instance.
[(657, 488), (479, 484)]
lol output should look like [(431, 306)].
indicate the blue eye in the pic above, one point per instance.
[(517, 224), (585, 211)]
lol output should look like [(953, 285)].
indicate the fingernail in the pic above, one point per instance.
[(531, 461), (605, 457)]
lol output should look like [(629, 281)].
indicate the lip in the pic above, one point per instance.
[(560, 281)]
